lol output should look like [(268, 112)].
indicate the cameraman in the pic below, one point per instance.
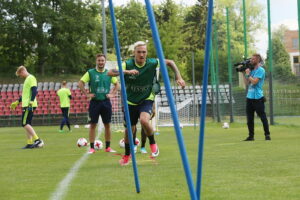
[(254, 79)]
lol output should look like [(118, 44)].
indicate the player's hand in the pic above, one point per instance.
[(13, 105), (110, 95), (247, 71), (132, 72), (90, 95), (181, 82)]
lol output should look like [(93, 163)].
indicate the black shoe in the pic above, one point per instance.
[(268, 137), (249, 139), (28, 146), (36, 143)]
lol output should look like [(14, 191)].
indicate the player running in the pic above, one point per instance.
[(140, 72)]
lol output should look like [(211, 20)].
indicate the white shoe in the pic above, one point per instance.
[(143, 150)]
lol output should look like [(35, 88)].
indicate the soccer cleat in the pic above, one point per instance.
[(91, 151), (143, 150), (125, 160), (108, 149), (36, 143), (249, 139), (268, 137), (28, 146), (61, 131), (154, 150), (135, 148)]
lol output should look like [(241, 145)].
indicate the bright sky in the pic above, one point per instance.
[(282, 12)]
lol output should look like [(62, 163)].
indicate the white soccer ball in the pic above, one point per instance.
[(81, 142), (76, 126), (41, 144), (225, 125), (122, 142), (98, 144)]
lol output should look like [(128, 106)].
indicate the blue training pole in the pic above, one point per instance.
[(164, 72), (204, 91), (124, 95)]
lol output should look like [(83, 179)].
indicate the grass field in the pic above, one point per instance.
[(233, 170)]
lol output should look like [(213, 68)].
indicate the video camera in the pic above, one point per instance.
[(242, 66)]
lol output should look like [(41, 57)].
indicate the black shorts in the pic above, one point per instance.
[(27, 115), (135, 111), (100, 108), (65, 112)]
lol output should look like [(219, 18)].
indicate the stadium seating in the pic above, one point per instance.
[(48, 101)]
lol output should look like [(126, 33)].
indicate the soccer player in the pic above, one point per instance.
[(139, 73), (65, 96), (29, 104), (99, 93)]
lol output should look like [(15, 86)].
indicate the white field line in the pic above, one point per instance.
[(62, 188)]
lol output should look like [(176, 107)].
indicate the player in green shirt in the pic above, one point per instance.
[(64, 94), (139, 74), (29, 104), (99, 95)]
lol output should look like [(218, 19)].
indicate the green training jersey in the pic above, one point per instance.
[(139, 87), (29, 82), (64, 98), (99, 83)]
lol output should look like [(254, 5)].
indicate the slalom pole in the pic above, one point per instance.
[(124, 96), (164, 72), (204, 95)]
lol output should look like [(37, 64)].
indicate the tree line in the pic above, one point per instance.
[(63, 36)]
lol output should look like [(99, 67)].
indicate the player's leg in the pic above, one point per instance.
[(63, 121), (143, 141), (94, 116), (145, 110), (28, 135), (106, 113), (29, 129), (67, 118), (134, 119)]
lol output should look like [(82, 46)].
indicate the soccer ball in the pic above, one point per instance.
[(82, 142), (98, 144), (41, 144), (225, 125), (122, 142)]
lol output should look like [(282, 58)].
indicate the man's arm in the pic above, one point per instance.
[(173, 66), (81, 86), (250, 79), (114, 90)]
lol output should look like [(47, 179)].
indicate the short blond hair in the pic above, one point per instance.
[(139, 43), (20, 69)]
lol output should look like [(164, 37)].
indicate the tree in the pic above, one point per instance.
[(281, 58), (50, 35)]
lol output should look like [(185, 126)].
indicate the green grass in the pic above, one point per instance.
[(233, 170)]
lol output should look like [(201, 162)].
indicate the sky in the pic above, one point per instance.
[(282, 12)]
